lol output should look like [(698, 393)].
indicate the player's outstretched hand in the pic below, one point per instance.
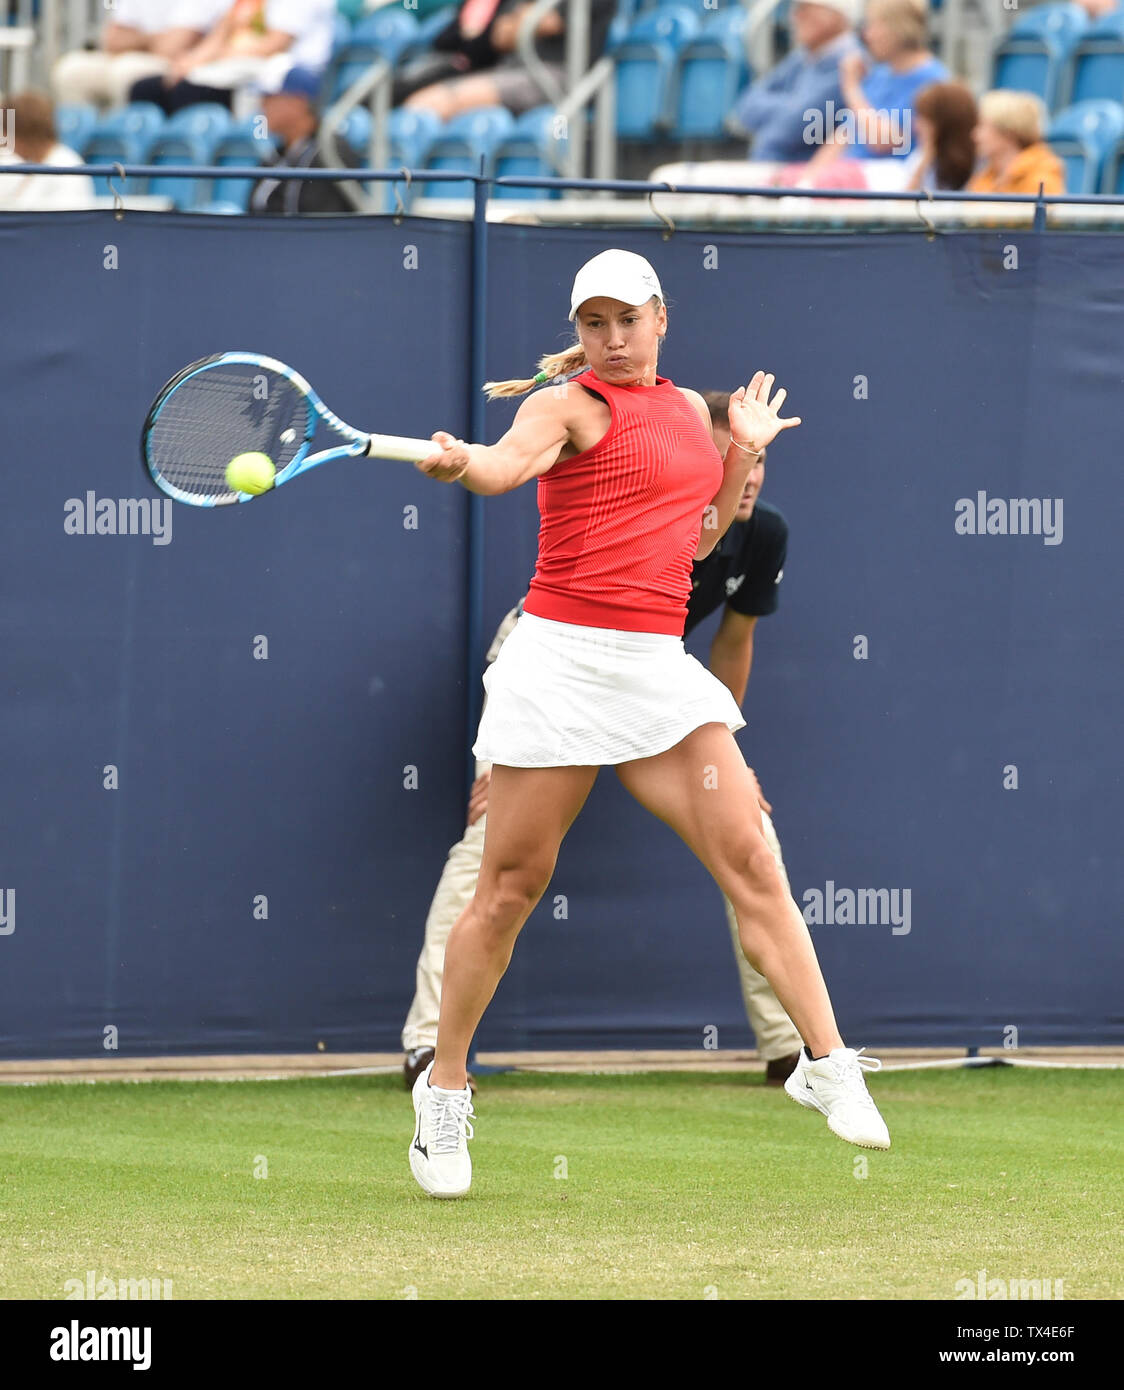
[(449, 460), (754, 418)]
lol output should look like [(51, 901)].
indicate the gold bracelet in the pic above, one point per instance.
[(748, 450)]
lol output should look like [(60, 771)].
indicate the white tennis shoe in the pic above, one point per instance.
[(836, 1087), (439, 1157)]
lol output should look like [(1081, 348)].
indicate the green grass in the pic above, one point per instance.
[(678, 1186)]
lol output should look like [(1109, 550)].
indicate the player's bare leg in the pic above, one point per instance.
[(704, 791), (529, 813)]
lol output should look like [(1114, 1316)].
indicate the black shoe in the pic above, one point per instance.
[(780, 1069), (415, 1063)]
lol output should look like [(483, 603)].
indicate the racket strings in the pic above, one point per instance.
[(217, 413)]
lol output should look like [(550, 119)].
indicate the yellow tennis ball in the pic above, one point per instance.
[(252, 473)]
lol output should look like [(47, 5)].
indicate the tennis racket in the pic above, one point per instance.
[(237, 403)]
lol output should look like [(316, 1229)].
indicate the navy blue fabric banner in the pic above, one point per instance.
[(233, 743), (242, 774), (931, 712)]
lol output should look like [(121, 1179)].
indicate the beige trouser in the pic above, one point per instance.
[(776, 1036), (102, 79)]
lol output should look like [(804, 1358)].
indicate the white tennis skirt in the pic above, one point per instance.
[(561, 695)]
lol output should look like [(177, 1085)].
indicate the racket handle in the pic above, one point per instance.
[(397, 446)]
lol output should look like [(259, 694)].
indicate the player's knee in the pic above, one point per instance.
[(754, 865), (511, 895)]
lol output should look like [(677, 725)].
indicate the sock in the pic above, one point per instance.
[(814, 1059)]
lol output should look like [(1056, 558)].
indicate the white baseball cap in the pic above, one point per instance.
[(615, 274)]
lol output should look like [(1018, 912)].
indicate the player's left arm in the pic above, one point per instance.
[(731, 659), (731, 652), (710, 535)]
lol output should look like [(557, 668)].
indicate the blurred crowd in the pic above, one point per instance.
[(860, 101)]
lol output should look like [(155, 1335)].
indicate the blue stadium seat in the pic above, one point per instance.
[(123, 137), (342, 32), (459, 145), (710, 73), (241, 148), (528, 149), (75, 124), (645, 63), (386, 34), (205, 121), (1097, 70), (356, 129), (225, 209), (618, 31), (140, 118), (427, 31), (251, 128), (1112, 175), (1083, 137), (388, 30), (172, 147), (1035, 55), (115, 147), (411, 134)]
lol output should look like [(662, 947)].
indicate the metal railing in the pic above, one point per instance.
[(481, 182), (372, 89)]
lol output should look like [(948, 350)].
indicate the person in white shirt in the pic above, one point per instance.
[(141, 40), (34, 142), (254, 43)]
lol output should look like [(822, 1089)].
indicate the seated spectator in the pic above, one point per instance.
[(293, 117), (255, 41), (1008, 139), (780, 109), (480, 44), (944, 116), (464, 45), (141, 39), (33, 141), (878, 99)]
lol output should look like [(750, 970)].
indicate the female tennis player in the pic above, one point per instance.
[(631, 490)]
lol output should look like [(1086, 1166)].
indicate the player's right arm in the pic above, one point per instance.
[(537, 435)]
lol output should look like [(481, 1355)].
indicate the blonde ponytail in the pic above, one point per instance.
[(564, 363)]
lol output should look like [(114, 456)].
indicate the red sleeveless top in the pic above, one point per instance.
[(620, 522)]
